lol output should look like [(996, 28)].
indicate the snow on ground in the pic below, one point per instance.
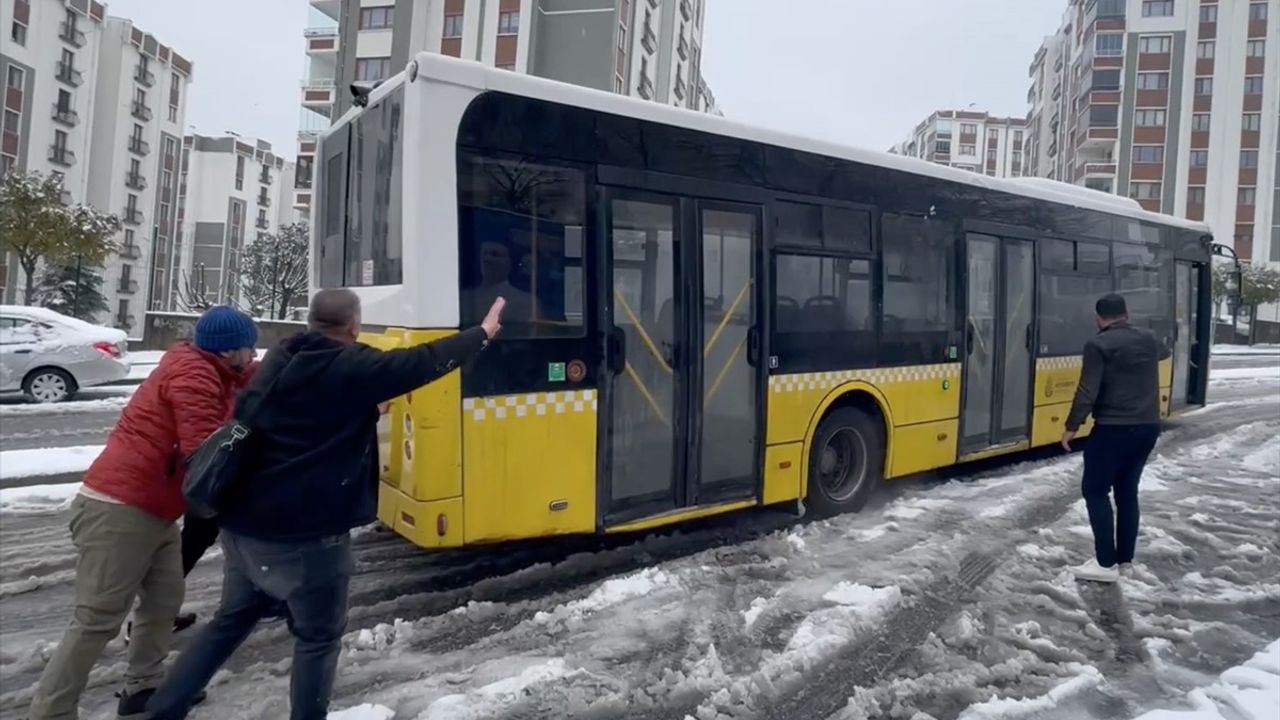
[(1249, 691), (47, 461), (943, 599), (1250, 373), (70, 407), (37, 498), (1224, 349)]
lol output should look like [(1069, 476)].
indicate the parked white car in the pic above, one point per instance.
[(49, 356)]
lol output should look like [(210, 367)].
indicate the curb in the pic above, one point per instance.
[(33, 480)]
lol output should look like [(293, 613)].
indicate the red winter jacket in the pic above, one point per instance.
[(185, 399)]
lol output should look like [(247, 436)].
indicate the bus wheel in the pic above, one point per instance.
[(846, 461)]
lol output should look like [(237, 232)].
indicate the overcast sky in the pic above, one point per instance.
[(858, 72)]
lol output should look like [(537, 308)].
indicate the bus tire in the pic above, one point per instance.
[(846, 461)]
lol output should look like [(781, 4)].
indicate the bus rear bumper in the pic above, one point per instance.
[(431, 524)]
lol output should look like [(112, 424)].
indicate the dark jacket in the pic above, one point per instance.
[(1120, 380), (311, 468)]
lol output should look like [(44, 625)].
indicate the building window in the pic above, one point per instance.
[(1148, 153), (1248, 158), (1200, 122), (511, 67), (1251, 122), (1103, 115), (1199, 158), (1108, 44), (15, 78), (967, 149), (1246, 196), (1111, 8), (1258, 11), (1253, 85), (1149, 118), (968, 129), (372, 69), (1195, 196), (943, 147), (376, 18), (622, 38), (618, 84), (1157, 8), (18, 33), (1256, 48), (509, 23), (453, 26), (1144, 190), (1204, 86), (1205, 49), (1155, 44), (239, 172), (1153, 81), (12, 122), (1106, 80)]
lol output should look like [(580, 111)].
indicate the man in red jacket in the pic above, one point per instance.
[(124, 521)]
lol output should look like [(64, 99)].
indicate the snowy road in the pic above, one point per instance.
[(948, 597)]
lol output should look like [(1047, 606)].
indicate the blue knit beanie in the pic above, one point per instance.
[(224, 328)]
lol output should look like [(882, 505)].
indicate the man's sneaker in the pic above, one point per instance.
[(134, 705), (180, 623), (1095, 572)]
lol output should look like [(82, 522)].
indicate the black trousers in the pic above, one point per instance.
[(1113, 463), (198, 535)]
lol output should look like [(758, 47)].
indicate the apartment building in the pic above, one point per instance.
[(102, 104), (970, 140), (1175, 103), (232, 191), (647, 48)]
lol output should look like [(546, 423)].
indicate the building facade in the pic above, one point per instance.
[(233, 190), (1175, 103), (646, 48), (968, 140), (102, 104)]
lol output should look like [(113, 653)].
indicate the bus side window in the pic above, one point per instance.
[(919, 289)]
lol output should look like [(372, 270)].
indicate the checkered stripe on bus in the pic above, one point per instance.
[(1069, 362), (800, 382), (535, 404)]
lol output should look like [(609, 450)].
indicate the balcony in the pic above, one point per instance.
[(331, 9), (138, 146), (264, 201), (144, 76), (69, 75), (72, 35), (60, 155), (135, 181), (130, 252), (321, 40), (65, 115), (318, 95), (1098, 169), (141, 111), (262, 223), (132, 216), (127, 286), (264, 178)]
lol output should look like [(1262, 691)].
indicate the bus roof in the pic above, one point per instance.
[(480, 77)]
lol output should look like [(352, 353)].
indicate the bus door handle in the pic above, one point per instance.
[(968, 338), (616, 350), (753, 346), (1029, 336)]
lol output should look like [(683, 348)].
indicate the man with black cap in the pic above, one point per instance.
[(1120, 387), (124, 520)]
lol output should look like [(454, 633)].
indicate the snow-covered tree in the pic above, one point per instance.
[(38, 228), (274, 271), (72, 290)]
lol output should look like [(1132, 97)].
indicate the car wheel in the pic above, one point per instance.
[(49, 385), (846, 461)]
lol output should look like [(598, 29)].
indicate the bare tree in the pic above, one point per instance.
[(275, 271), (193, 294)]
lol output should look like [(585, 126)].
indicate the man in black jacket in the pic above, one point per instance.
[(311, 475), (1120, 387)]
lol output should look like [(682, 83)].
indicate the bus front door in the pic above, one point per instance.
[(679, 425), (998, 341)]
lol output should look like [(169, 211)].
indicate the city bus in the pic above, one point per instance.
[(704, 316)]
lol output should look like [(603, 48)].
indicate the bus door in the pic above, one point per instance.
[(1185, 306), (680, 421), (999, 333)]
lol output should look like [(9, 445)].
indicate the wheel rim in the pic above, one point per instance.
[(842, 467), (48, 387)]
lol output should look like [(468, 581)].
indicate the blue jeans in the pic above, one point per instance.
[(1113, 463), (311, 578)]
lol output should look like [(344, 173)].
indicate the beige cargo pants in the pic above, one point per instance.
[(123, 552)]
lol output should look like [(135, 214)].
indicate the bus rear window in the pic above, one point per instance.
[(372, 251)]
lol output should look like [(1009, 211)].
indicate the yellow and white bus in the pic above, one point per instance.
[(703, 316)]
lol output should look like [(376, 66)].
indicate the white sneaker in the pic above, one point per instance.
[(1095, 572), (1126, 570)]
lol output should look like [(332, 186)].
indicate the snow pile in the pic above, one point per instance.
[(38, 498), (47, 461), (1253, 373), (1224, 349), (362, 712), (611, 592), (999, 708), (1250, 691), (492, 699), (73, 407)]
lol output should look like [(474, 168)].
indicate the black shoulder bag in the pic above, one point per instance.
[(215, 466)]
